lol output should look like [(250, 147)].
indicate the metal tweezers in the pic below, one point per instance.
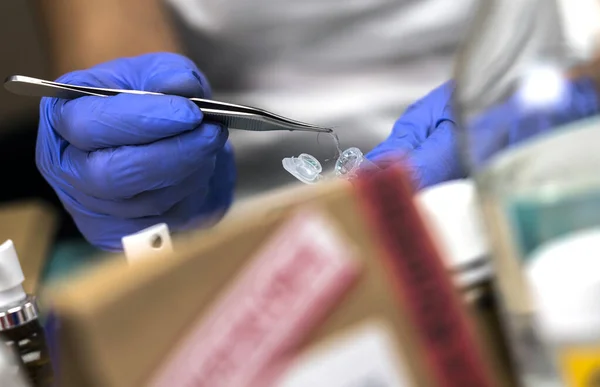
[(230, 115)]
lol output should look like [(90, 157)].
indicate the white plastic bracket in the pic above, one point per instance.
[(147, 243)]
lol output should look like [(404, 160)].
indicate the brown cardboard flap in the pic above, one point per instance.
[(31, 225)]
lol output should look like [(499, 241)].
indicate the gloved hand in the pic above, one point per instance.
[(425, 134), (121, 164)]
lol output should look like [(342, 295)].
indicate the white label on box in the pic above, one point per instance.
[(287, 289), (364, 358)]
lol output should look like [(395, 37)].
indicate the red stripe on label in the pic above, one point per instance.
[(272, 305), (423, 284)]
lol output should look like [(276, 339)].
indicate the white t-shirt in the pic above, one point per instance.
[(351, 64)]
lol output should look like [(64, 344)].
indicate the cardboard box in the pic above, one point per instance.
[(32, 226), (167, 321)]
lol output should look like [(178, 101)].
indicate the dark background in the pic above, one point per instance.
[(22, 53)]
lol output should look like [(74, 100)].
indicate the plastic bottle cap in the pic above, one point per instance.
[(11, 275), (564, 279), (451, 210), (305, 168)]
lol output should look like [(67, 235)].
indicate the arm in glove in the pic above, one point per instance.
[(121, 164), (425, 134)]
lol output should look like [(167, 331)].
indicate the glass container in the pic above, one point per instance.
[(527, 104)]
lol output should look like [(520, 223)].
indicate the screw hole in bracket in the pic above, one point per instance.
[(156, 241)]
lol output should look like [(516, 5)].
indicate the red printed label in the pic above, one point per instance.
[(274, 303), (424, 286)]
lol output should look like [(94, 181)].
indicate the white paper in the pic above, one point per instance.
[(366, 358)]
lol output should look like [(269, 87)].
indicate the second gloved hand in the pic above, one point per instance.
[(121, 164), (426, 133)]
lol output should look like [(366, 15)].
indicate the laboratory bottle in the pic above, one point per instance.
[(20, 327), (528, 131)]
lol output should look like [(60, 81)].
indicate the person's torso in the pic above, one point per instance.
[(351, 64)]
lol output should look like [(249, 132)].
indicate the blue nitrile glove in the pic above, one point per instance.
[(425, 133), (121, 164)]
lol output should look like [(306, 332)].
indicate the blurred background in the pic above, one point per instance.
[(23, 53)]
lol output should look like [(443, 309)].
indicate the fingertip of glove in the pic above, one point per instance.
[(167, 108), (211, 129), (371, 156), (377, 154), (206, 89), (184, 82), (185, 110), (215, 132)]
